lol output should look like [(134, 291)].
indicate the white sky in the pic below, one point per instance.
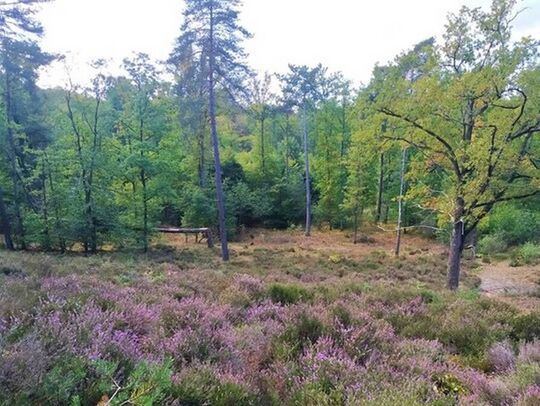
[(346, 35)]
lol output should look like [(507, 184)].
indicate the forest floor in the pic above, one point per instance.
[(519, 286)]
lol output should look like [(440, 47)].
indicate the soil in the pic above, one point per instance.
[(519, 286)]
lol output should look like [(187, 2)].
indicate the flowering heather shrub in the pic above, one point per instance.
[(327, 365), (531, 397), (168, 334), (529, 352), (501, 357), (23, 367)]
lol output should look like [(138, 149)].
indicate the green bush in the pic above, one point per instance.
[(317, 394), (529, 253), (526, 327), (76, 381), (513, 224), (468, 327), (492, 244), (199, 387), (288, 294), (304, 331)]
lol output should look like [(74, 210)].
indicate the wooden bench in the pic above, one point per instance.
[(205, 232)]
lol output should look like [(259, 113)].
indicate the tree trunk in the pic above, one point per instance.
[(145, 210), (308, 178), (380, 189), (400, 201), (45, 211), (355, 238), (202, 152), (215, 144), (12, 157), (263, 163), (61, 238), (456, 246), (6, 226)]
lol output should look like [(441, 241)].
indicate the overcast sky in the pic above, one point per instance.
[(346, 35)]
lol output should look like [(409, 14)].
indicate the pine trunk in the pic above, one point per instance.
[(215, 144), (308, 177)]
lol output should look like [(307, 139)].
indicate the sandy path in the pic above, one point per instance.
[(502, 279)]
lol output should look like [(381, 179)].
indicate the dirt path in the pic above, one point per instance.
[(517, 285), (503, 279)]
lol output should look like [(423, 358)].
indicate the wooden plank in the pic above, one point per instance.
[(206, 232), (172, 230)]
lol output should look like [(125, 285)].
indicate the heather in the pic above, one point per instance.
[(277, 325)]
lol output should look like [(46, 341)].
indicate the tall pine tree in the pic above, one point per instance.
[(211, 33)]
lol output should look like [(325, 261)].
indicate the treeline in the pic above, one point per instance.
[(438, 138)]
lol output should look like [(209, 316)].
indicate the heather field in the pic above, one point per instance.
[(288, 321)]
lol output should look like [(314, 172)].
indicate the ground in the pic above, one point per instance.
[(288, 320), (517, 285)]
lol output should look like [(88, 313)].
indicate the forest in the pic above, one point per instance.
[(439, 151)]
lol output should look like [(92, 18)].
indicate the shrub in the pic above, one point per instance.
[(501, 358), (75, 380), (531, 397), (512, 224), (148, 384), (526, 327), (306, 330), (529, 352), (467, 327), (201, 386), (448, 384), (528, 254), (492, 244), (288, 294)]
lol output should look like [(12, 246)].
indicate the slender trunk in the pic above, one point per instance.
[(215, 144), (11, 151), (355, 238), (400, 201), (90, 241), (61, 239), (45, 211), (358, 213), (287, 129), (380, 190), (96, 146), (308, 178), (263, 164), (202, 151), (143, 185), (145, 210), (6, 226), (456, 245)]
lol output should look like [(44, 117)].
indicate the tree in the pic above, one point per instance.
[(143, 125), (85, 114), (331, 141), (361, 178), (20, 59), (261, 110), (212, 32), (302, 88), (472, 109)]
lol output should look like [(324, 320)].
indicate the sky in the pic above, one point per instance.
[(350, 36)]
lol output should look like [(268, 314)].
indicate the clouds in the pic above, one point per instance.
[(346, 35)]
